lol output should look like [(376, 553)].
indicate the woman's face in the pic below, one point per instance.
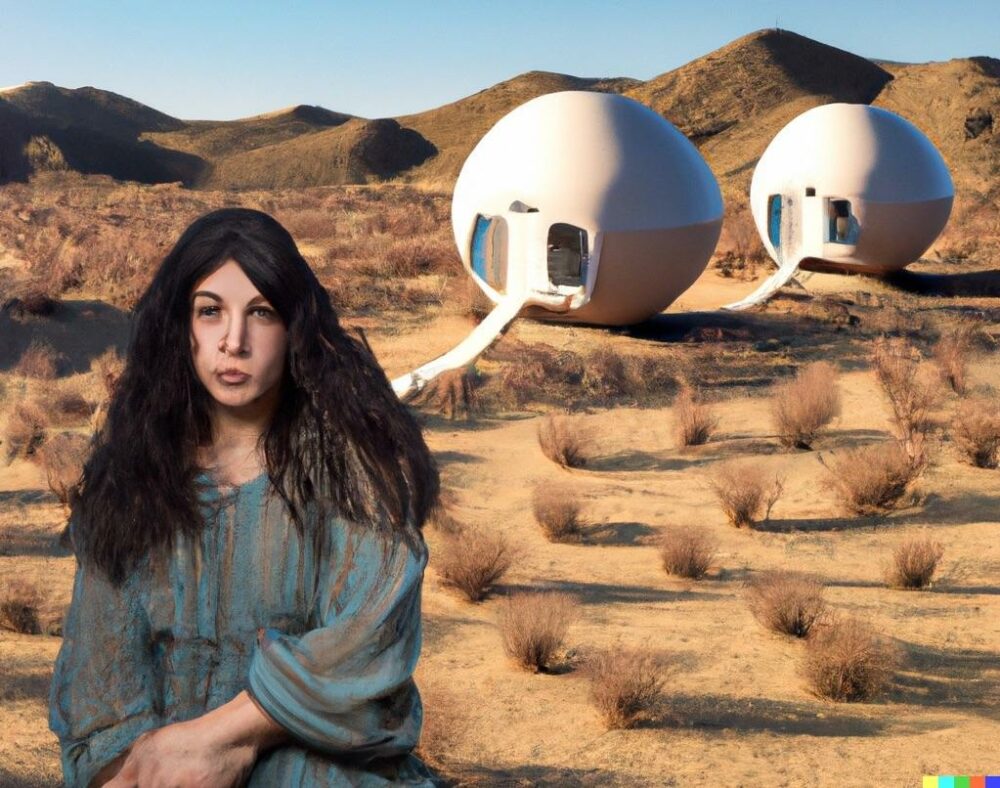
[(238, 340)]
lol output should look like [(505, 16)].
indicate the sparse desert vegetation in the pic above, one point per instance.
[(20, 601), (746, 492), (534, 625), (694, 421), (565, 440), (788, 603), (874, 479), (625, 684), (914, 563), (907, 386), (802, 407), (557, 511), (847, 660), (687, 552), (638, 487), (977, 430), (474, 560)]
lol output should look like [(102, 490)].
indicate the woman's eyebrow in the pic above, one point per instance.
[(257, 299)]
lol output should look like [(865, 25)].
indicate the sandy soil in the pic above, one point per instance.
[(736, 710)]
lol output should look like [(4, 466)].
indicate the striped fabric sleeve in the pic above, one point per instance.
[(346, 687)]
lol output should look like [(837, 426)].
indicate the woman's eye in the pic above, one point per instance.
[(207, 311), (262, 311)]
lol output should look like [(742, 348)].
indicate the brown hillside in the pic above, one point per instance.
[(730, 102), (957, 105), (358, 151), (455, 128), (217, 139), (45, 127), (733, 101), (96, 110)]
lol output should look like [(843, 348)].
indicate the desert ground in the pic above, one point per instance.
[(735, 707)]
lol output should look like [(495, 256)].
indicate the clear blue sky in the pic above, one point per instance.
[(224, 59)]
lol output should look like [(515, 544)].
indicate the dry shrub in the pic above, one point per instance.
[(108, 368), (477, 304), (610, 375), (788, 603), (951, 354), (414, 257), (802, 407), (741, 248), (873, 479), (846, 660), (67, 406), (311, 223), (977, 431), (39, 360), (535, 373), (625, 683), (564, 440), (62, 457), (694, 421), (20, 601), (473, 560), (520, 384), (452, 394), (33, 302), (746, 492), (687, 552), (533, 626), (914, 563), (557, 510), (373, 295), (910, 394), (25, 430)]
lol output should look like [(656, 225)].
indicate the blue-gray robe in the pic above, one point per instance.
[(339, 626)]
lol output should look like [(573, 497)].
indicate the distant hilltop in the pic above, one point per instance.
[(730, 102)]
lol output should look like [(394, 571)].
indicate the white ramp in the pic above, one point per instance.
[(768, 287), (467, 351)]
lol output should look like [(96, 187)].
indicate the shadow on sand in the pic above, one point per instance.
[(627, 461), (618, 534), (954, 678), (79, 331), (760, 715), (467, 774), (975, 284), (18, 540), (607, 594)]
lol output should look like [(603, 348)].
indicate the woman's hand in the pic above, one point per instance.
[(185, 754)]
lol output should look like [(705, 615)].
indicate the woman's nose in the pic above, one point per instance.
[(233, 340)]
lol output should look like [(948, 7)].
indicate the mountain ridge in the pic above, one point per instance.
[(730, 102)]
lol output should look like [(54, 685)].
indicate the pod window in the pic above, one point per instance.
[(489, 251), (842, 227), (567, 254)]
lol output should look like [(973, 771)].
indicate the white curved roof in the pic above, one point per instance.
[(853, 150), (594, 159)]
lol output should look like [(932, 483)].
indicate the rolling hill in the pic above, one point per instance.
[(730, 102)]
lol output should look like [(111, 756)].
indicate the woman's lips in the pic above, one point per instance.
[(233, 378)]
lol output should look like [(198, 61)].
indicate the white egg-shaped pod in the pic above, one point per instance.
[(850, 186), (590, 199)]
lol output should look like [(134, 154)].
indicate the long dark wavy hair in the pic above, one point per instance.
[(340, 441)]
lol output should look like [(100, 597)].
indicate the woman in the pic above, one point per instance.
[(246, 605)]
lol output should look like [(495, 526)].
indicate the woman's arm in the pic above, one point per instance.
[(217, 748), (102, 693), (346, 688)]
